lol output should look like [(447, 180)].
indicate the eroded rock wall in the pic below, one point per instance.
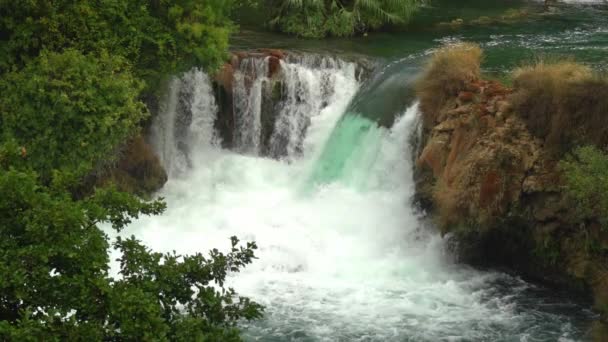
[(497, 190)]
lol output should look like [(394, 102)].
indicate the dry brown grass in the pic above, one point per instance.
[(563, 103), (448, 72)]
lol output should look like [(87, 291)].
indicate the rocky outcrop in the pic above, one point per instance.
[(477, 157), (138, 169), (496, 188)]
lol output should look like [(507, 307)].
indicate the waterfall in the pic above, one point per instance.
[(186, 120), (273, 112), (250, 83), (349, 259), (309, 85)]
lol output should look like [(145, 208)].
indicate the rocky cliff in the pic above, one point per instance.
[(495, 185)]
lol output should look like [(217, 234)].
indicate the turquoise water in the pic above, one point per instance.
[(349, 154)]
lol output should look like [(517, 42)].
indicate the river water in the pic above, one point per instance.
[(344, 256)]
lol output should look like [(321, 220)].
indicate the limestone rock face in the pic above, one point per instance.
[(478, 159), (494, 185)]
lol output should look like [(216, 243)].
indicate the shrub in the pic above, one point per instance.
[(157, 37), (562, 103), (69, 111), (55, 284), (449, 71), (586, 183), (320, 18)]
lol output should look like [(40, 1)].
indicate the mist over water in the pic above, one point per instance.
[(343, 254)]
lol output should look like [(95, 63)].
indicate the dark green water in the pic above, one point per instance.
[(577, 30)]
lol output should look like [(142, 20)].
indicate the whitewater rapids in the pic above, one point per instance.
[(344, 258)]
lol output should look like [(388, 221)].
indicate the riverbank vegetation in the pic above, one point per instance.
[(448, 72), (564, 103), (73, 76), (586, 183), (337, 18)]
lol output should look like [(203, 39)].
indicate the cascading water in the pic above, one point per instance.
[(273, 112), (307, 90), (349, 259), (186, 121), (250, 81)]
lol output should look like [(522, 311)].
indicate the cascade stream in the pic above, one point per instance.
[(344, 255)]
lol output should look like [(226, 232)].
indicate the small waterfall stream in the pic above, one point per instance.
[(185, 122)]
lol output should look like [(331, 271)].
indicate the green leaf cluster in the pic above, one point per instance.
[(586, 183), (339, 18)]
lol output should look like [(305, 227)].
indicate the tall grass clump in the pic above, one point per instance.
[(563, 103), (448, 72)]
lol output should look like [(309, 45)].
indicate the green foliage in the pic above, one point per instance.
[(586, 183), (66, 106), (54, 282), (70, 111), (157, 36), (339, 18)]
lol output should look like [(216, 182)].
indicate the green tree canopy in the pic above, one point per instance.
[(320, 18), (72, 75), (157, 37), (54, 282)]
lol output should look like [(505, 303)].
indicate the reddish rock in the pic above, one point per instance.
[(496, 89), (487, 122), (433, 156), (138, 170), (503, 106), (225, 76), (490, 190), (491, 176), (466, 96), (475, 87), (235, 61), (240, 55), (280, 54), (274, 66)]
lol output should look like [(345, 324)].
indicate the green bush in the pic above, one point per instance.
[(69, 111), (339, 18), (156, 37), (54, 282), (586, 183)]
